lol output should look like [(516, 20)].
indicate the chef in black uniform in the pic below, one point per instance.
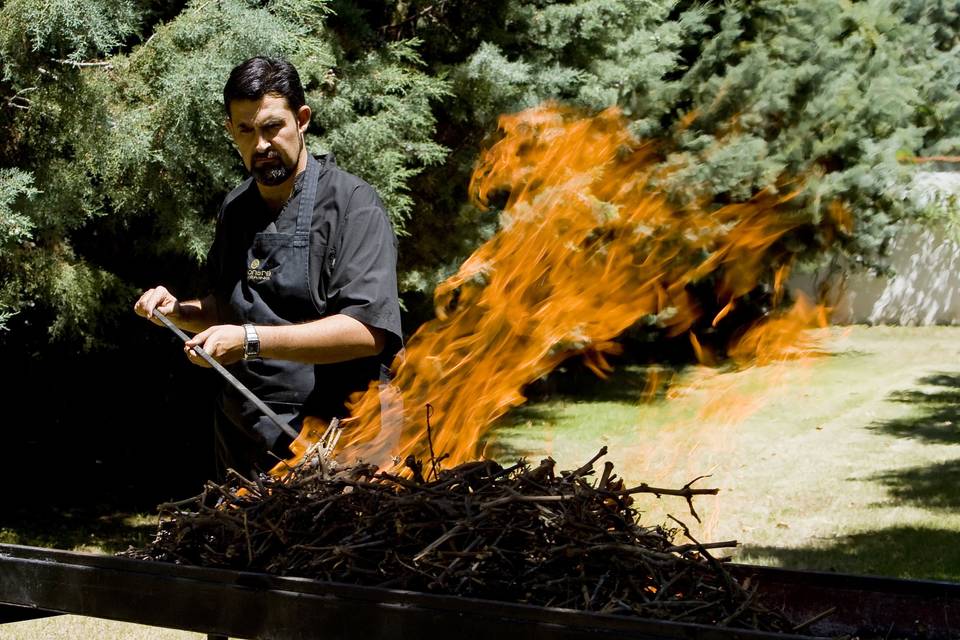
[(303, 306)]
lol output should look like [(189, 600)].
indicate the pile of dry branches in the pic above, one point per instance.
[(519, 534)]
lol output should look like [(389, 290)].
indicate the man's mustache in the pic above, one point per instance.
[(268, 155)]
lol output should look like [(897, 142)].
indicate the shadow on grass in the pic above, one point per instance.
[(85, 528), (904, 552), (936, 414), (533, 413), (536, 419), (932, 486), (575, 382), (530, 422)]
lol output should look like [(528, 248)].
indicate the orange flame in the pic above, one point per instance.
[(781, 337), (587, 248), (310, 433)]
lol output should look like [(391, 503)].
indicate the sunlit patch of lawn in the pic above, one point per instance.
[(847, 462)]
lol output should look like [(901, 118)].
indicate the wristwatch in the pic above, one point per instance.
[(251, 342)]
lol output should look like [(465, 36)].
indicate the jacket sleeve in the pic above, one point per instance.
[(363, 281)]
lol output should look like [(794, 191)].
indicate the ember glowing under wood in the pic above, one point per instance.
[(587, 248), (520, 534)]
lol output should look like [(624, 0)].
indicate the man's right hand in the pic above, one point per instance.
[(159, 299)]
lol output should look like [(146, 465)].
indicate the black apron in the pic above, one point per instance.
[(276, 290)]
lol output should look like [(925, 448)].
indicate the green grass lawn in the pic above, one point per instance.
[(848, 462)]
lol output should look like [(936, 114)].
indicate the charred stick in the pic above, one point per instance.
[(697, 546), (588, 467)]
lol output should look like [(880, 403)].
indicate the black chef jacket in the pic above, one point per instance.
[(352, 270)]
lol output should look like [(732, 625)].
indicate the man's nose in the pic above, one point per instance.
[(263, 144)]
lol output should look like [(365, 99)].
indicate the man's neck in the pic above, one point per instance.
[(277, 195)]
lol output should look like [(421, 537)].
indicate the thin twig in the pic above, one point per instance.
[(433, 456), (820, 616), (922, 159), (95, 63)]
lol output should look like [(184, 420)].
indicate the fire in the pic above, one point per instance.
[(587, 248), (782, 337), (312, 432)]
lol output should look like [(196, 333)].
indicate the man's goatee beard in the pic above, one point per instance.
[(272, 176)]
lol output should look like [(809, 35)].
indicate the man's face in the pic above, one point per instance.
[(269, 137)]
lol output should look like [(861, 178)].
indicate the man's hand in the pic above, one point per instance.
[(224, 343), (159, 299)]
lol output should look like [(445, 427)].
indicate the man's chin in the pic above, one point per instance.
[(271, 177)]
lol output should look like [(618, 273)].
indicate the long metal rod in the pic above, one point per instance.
[(239, 386)]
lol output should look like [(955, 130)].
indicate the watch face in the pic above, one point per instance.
[(251, 343)]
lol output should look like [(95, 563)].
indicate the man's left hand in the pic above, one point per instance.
[(224, 342)]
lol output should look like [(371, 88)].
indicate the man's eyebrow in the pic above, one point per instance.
[(269, 122)]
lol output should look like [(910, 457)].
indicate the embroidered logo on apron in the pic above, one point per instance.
[(256, 274)]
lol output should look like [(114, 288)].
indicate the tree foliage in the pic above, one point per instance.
[(115, 155)]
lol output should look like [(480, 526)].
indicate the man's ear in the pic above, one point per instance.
[(228, 125), (303, 118)]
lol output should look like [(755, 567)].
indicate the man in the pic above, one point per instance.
[(303, 307)]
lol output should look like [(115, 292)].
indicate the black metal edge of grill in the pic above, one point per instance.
[(245, 604), (878, 584)]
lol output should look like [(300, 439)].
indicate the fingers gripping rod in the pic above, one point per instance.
[(239, 386)]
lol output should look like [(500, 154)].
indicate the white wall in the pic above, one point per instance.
[(924, 291)]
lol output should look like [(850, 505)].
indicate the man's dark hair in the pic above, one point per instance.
[(254, 78)]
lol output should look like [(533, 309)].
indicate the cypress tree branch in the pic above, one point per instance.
[(935, 159), (96, 63)]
